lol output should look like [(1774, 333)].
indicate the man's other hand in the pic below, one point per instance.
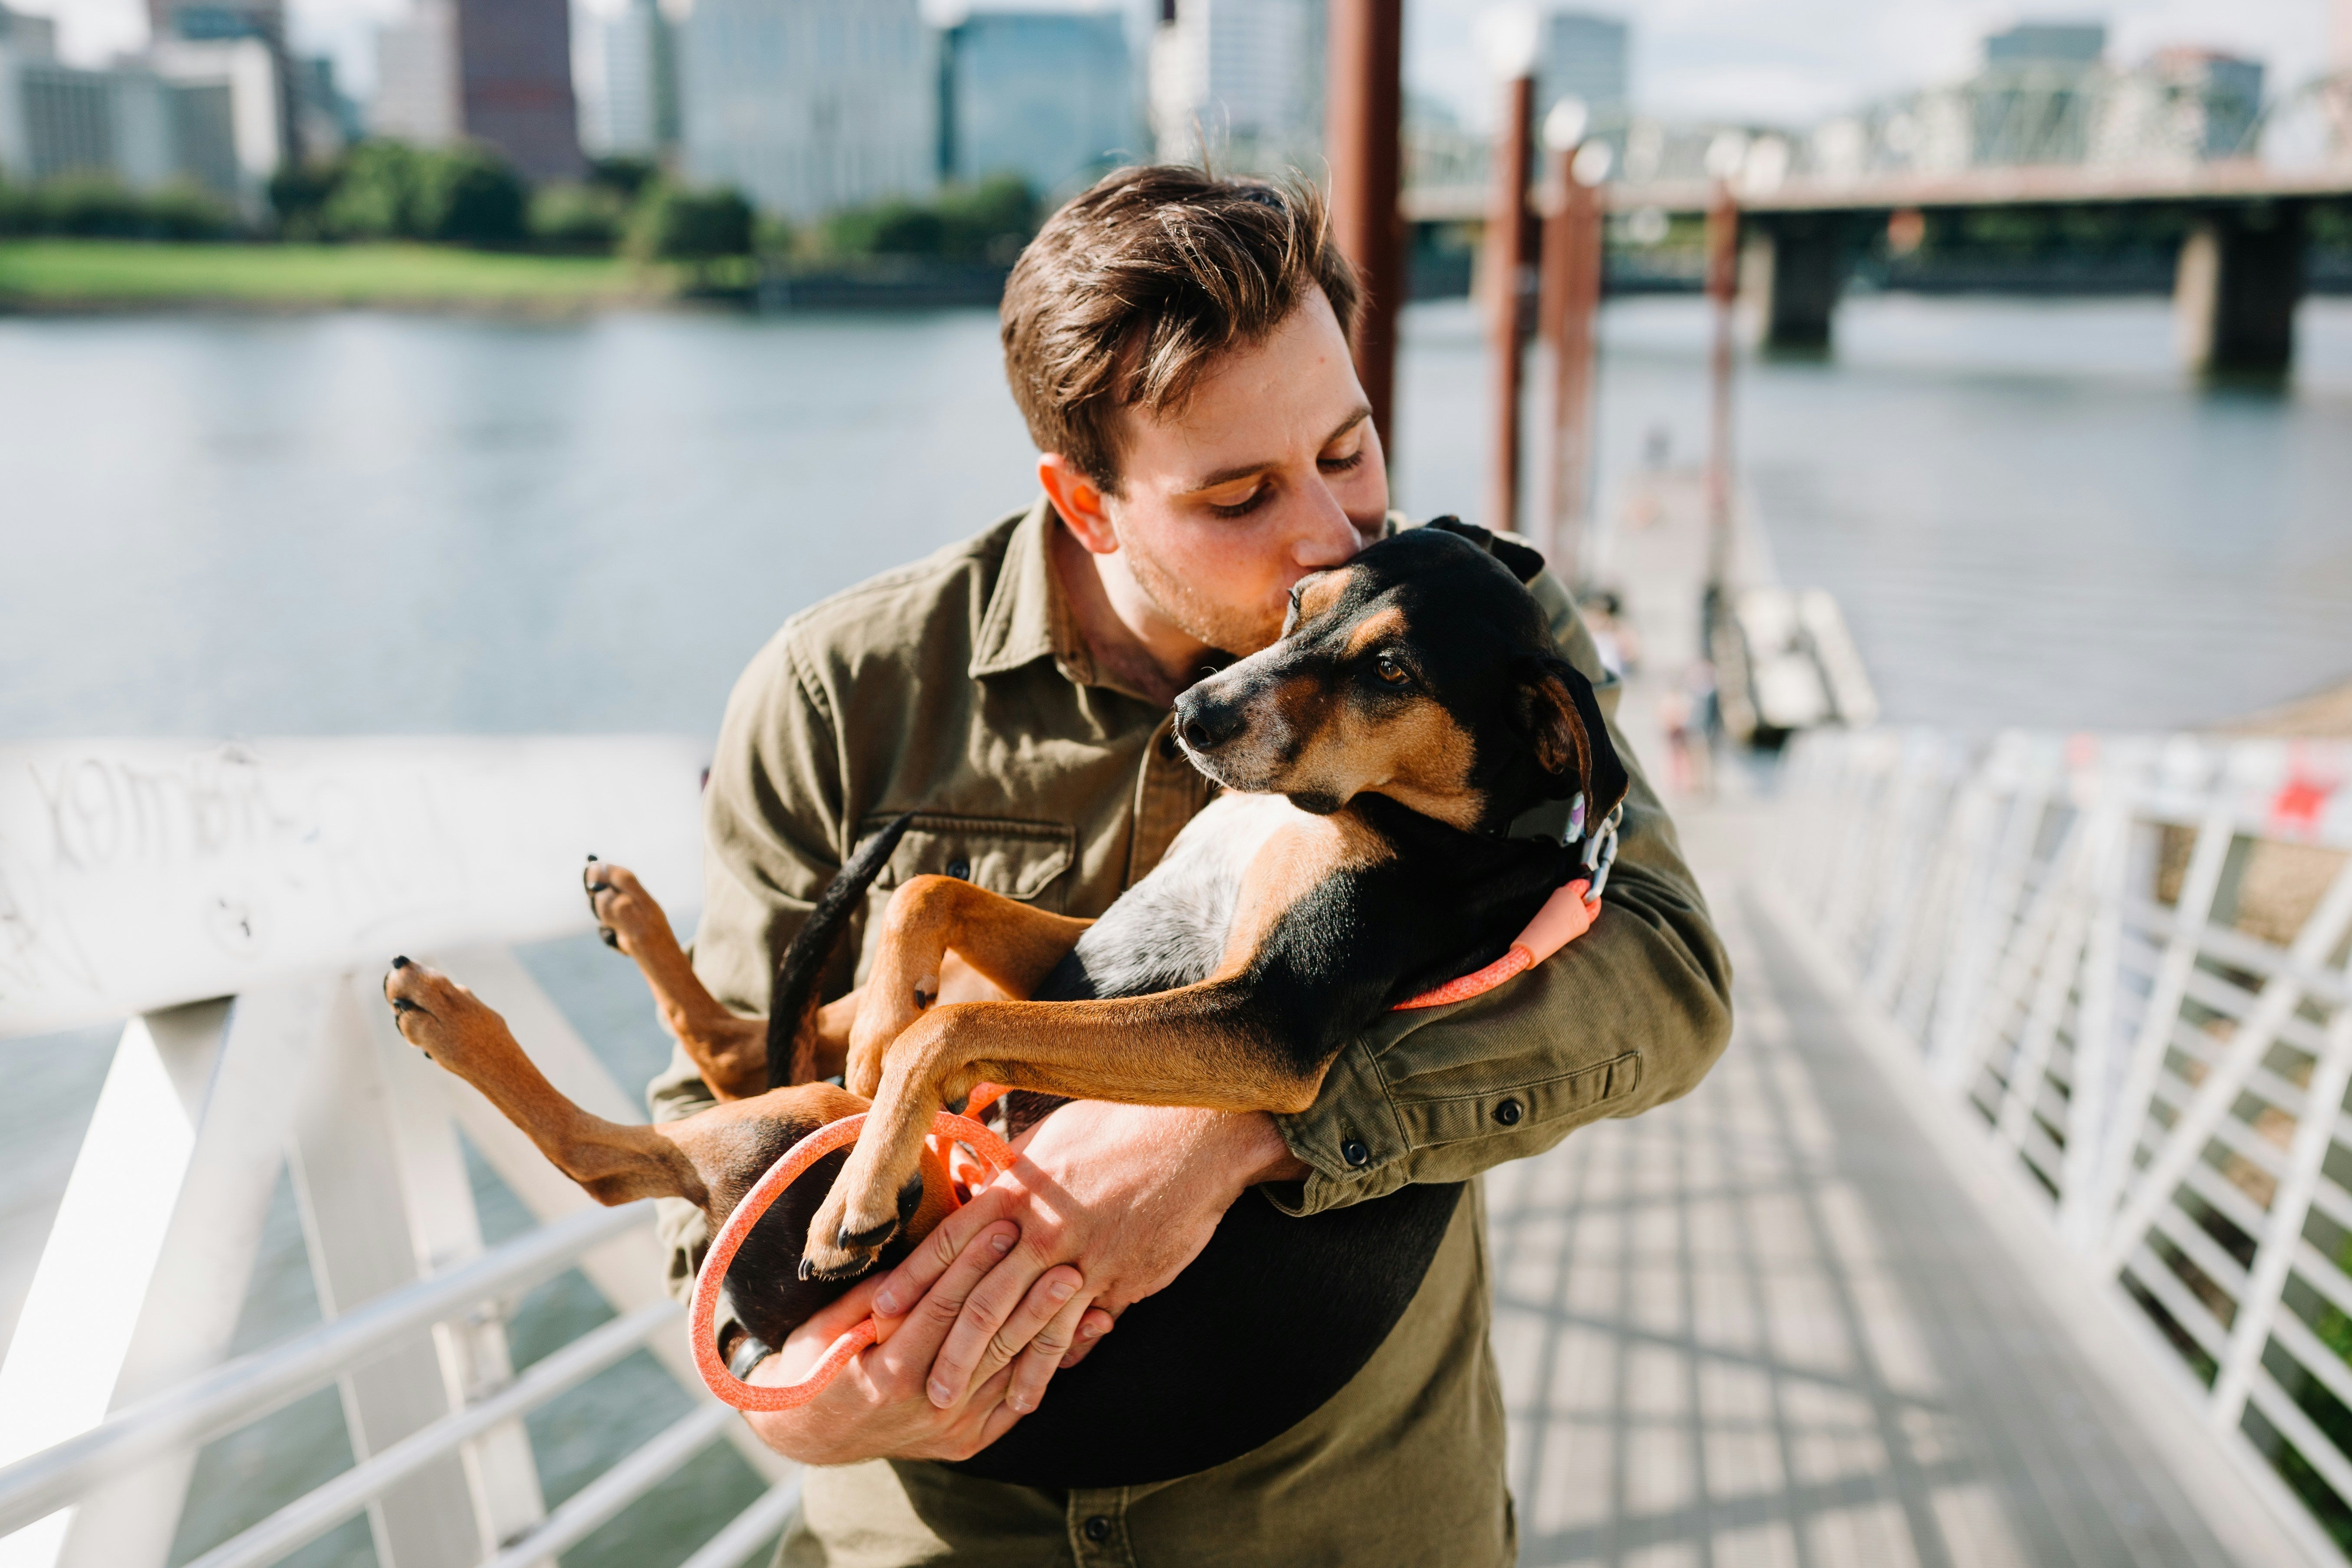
[(1124, 1194), (879, 1407)]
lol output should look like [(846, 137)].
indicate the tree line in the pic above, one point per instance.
[(382, 189)]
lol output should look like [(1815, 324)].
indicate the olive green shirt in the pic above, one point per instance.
[(960, 688)]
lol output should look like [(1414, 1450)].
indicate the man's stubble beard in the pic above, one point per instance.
[(1222, 627)]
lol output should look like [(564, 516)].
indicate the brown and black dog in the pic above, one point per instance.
[(1373, 759)]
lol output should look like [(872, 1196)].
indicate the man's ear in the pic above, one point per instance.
[(1523, 561), (1079, 500), (1561, 719)]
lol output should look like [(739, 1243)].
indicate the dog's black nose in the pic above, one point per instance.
[(1205, 725)]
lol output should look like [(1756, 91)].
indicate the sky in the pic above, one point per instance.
[(1768, 61)]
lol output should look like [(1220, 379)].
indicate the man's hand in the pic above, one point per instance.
[(877, 1407), (1126, 1194)]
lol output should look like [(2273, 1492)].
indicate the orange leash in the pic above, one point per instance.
[(1565, 916), (994, 1153)]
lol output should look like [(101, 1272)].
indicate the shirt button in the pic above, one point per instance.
[(960, 869), (1508, 1113), (1355, 1153), (1097, 1529)]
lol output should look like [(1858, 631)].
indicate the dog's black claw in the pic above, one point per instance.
[(592, 859), (594, 887), (609, 937), (862, 1240), (401, 961), (808, 1269)]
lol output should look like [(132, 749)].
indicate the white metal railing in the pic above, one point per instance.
[(237, 904), (2124, 962)]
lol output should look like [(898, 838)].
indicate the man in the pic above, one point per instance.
[(1178, 345)]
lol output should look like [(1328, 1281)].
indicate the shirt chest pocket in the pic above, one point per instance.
[(1022, 860)]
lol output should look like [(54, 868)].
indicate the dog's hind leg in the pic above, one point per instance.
[(1008, 943), (730, 1049)]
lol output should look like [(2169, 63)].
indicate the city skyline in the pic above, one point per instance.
[(1768, 61)]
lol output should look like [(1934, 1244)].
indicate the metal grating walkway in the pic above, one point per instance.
[(1766, 1325)]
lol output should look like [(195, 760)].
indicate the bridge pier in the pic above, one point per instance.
[(1792, 271), (2233, 296)]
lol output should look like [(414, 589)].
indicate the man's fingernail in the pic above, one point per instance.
[(885, 1303), (1090, 1332), (941, 1394), (1002, 1243), (1062, 1289), (1020, 1405)]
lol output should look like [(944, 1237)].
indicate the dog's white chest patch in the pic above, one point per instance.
[(1169, 930)]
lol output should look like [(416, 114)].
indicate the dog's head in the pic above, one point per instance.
[(1422, 671)]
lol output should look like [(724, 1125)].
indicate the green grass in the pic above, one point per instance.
[(99, 272)]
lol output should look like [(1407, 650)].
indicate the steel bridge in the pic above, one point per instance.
[(1808, 206)]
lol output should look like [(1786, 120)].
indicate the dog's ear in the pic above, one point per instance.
[(1522, 561), (1561, 719)]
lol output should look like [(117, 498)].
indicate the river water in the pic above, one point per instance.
[(353, 524)]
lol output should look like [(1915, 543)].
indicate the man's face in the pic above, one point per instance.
[(1271, 470)]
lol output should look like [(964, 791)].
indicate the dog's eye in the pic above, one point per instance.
[(1389, 672)]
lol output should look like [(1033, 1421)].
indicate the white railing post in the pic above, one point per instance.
[(348, 1182), (148, 1261)]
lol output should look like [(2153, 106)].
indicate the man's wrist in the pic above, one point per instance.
[(1267, 1157)]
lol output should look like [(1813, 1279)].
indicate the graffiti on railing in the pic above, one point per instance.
[(136, 874)]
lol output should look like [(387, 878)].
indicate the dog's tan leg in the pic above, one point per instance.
[(1010, 944), (613, 1162), (1203, 1046), (730, 1049), (709, 1159)]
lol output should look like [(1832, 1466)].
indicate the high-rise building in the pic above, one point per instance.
[(207, 21), (1241, 80), (2077, 44), (635, 110), (493, 71), (416, 76), (514, 83), (177, 25), (31, 37), (170, 118), (1583, 57), (2221, 95), (1047, 95), (810, 105)]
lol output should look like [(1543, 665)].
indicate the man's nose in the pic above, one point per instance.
[(1327, 536)]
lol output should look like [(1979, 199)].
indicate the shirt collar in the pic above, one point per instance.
[(1028, 616)]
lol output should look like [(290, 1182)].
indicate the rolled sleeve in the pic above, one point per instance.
[(1628, 1015)]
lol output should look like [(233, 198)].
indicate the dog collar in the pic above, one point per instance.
[(1567, 914)]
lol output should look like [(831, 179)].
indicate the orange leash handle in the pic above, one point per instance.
[(703, 1319)]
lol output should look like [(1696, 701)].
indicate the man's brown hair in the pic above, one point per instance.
[(1129, 292)]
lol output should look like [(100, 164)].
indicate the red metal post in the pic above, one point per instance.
[(1511, 236), (1566, 308), (1363, 134), (1722, 288)]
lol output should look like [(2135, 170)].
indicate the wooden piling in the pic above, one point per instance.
[(1722, 288), (1567, 304), (1511, 236), (1363, 135)]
